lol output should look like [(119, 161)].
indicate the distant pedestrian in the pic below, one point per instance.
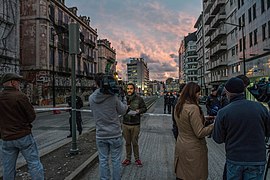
[(171, 102), (79, 105), (175, 129), (107, 107), (191, 159), (242, 125), (166, 101), (131, 124), (15, 124), (212, 103)]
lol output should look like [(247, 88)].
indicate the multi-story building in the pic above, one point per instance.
[(216, 40), (200, 52), (190, 58), (181, 54), (138, 73), (9, 36), (45, 59), (254, 16), (106, 57)]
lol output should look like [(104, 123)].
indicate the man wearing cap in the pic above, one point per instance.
[(242, 125), (15, 124)]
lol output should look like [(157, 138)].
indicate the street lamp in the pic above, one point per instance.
[(242, 29)]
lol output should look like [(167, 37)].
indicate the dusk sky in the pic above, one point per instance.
[(151, 29)]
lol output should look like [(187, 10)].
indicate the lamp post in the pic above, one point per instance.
[(244, 54)]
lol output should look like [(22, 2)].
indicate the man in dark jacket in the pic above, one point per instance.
[(131, 124), (17, 114), (212, 103), (79, 105), (242, 125)]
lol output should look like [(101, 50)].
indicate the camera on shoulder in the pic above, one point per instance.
[(109, 85)]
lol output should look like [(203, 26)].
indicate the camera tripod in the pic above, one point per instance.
[(267, 165)]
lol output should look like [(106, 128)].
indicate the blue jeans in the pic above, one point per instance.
[(244, 172), (27, 146), (105, 148)]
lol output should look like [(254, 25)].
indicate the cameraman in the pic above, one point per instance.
[(106, 108)]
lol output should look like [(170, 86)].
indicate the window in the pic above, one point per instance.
[(250, 39), (264, 31), (233, 51), (268, 29), (51, 55), (254, 11), (239, 22), (243, 20), (262, 6), (60, 58), (238, 4), (249, 15), (231, 2), (240, 45), (244, 42), (268, 4), (255, 36), (242, 1)]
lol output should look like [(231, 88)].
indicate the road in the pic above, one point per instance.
[(50, 131)]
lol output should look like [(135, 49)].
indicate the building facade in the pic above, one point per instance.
[(9, 36), (190, 62), (44, 42), (138, 73), (106, 57)]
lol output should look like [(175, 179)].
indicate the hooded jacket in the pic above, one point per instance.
[(106, 109)]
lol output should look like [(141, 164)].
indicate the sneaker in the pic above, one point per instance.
[(138, 163), (126, 162)]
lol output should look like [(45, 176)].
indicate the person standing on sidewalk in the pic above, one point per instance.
[(106, 107), (191, 158), (242, 125), (79, 105), (131, 124), (15, 124)]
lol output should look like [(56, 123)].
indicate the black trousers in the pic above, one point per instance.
[(78, 122)]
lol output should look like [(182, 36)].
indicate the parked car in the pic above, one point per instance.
[(202, 100)]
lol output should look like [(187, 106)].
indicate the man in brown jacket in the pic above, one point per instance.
[(17, 114)]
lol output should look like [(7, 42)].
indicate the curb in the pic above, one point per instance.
[(81, 169)]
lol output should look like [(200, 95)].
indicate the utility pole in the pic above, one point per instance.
[(74, 49)]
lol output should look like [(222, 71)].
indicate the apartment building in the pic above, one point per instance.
[(106, 57), (215, 41), (44, 44), (138, 73), (190, 62), (254, 15), (200, 52), (9, 36)]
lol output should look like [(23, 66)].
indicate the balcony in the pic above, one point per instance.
[(208, 5), (218, 49), (209, 30), (219, 63), (208, 66), (208, 43), (219, 78), (90, 42), (216, 21), (208, 19), (218, 33), (216, 7)]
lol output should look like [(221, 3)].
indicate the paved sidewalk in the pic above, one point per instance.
[(157, 151)]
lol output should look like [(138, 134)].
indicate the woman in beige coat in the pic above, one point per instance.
[(191, 161)]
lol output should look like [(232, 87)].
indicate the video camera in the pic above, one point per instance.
[(261, 90), (109, 85)]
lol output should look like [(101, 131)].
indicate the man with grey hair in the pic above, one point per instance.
[(15, 125), (242, 125)]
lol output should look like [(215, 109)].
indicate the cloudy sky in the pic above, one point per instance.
[(151, 29)]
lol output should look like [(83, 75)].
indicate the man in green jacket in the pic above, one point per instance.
[(131, 124)]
